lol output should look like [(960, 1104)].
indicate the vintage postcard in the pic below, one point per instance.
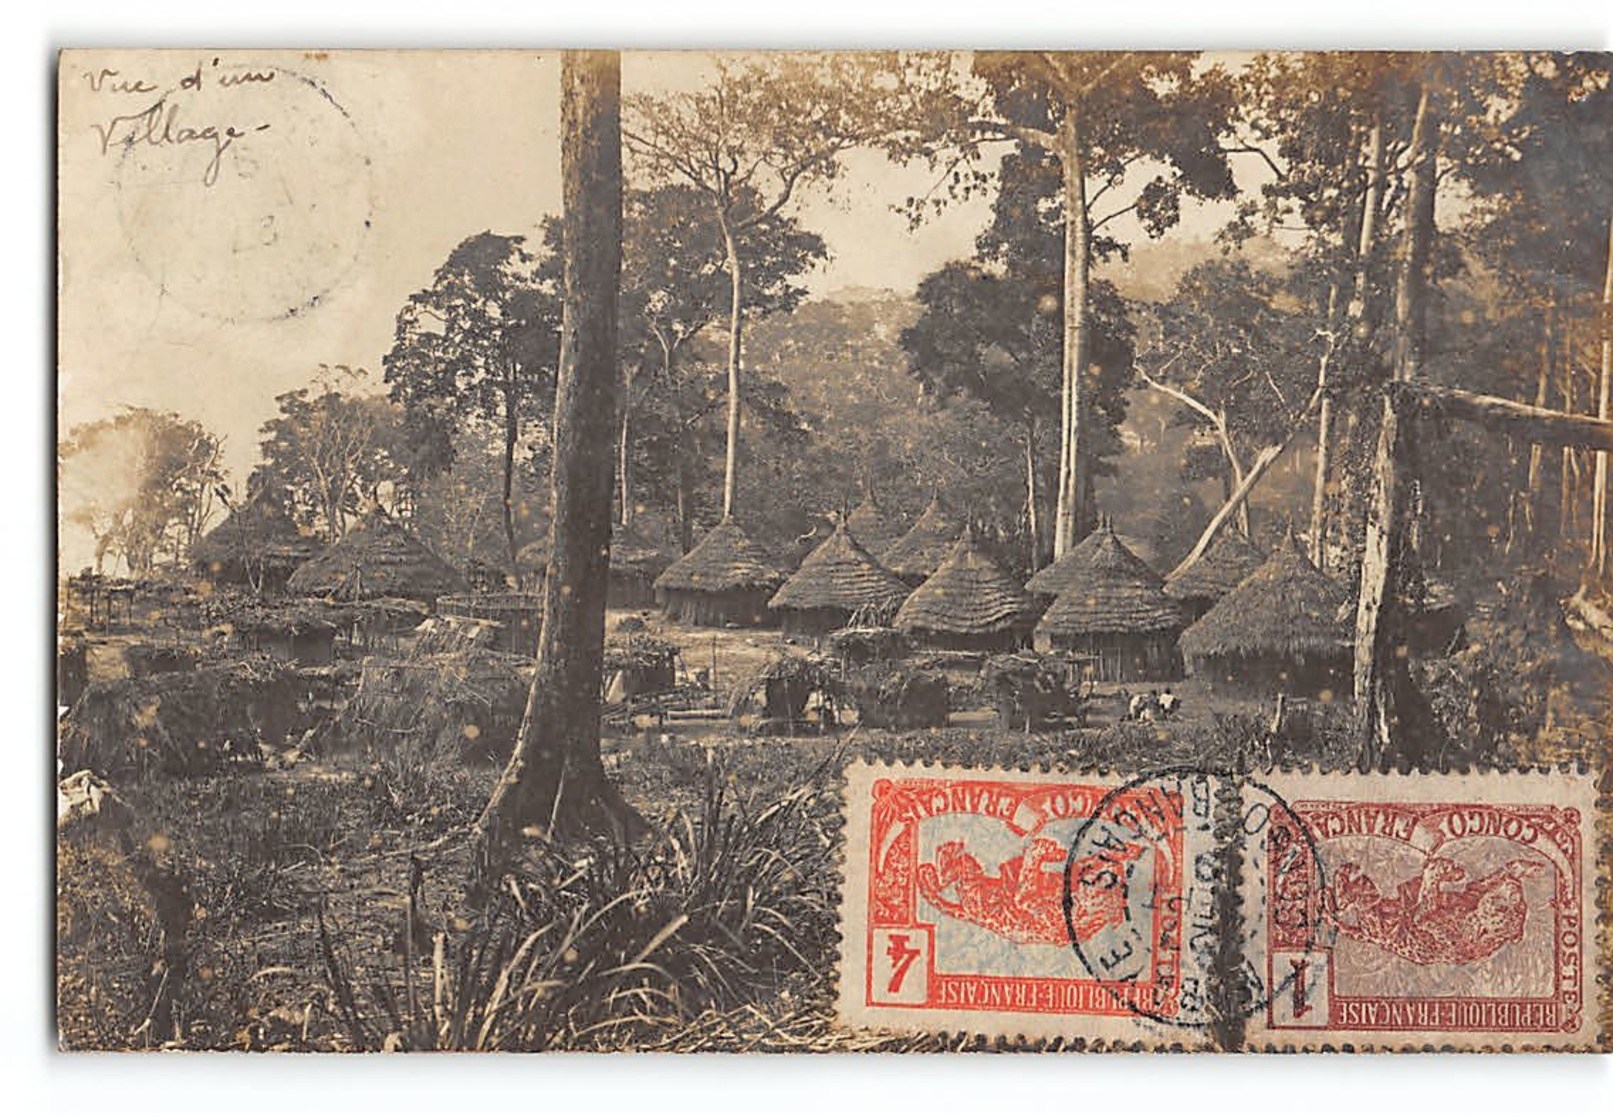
[(812, 551)]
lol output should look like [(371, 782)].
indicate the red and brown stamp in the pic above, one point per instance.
[(1024, 904), (1453, 910)]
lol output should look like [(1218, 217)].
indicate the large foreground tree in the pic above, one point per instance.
[(554, 780)]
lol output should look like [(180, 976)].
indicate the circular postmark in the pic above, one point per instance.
[(244, 191), (1151, 912)]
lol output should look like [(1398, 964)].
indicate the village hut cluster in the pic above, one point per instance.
[(393, 645)]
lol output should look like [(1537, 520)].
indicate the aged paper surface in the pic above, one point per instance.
[(977, 529)]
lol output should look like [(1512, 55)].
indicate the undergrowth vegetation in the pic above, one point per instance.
[(328, 909)]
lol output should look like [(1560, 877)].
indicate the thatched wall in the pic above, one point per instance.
[(447, 703), (744, 608), (519, 616), (726, 579), (1122, 657), (1262, 676)]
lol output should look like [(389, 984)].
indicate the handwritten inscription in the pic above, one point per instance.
[(167, 122)]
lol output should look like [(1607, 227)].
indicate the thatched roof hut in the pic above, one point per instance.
[(836, 582), (258, 544), (1065, 573), (873, 527), (1115, 609), (1281, 629), (726, 579), (916, 555), (637, 559), (379, 558), (969, 603), (1229, 560)]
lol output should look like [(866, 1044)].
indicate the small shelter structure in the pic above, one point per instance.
[(1229, 560), (296, 632), (636, 561), (1116, 611), (258, 544), (1280, 631), (726, 579), (917, 555), (379, 558), (517, 616), (837, 581), (873, 527), (969, 604)]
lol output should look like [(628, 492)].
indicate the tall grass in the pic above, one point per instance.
[(611, 945)]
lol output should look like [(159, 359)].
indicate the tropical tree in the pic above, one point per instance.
[(1132, 134), (140, 483), (674, 286), (479, 346), (555, 779), (992, 328), (761, 132), (1230, 347), (333, 452)]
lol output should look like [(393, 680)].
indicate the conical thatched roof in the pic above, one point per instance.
[(379, 558), (634, 551), (726, 559), (872, 527), (968, 595), (1230, 559), (1111, 590), (839, 574), (258, 533), (925, 547), (1057, 577), (1286, 607)]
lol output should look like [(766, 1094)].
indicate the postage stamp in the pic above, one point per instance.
[(1025, 904), (1452, 910)]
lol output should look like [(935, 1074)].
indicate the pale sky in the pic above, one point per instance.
[(207, 286)]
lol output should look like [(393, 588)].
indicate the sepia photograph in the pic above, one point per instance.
[(833, 551)]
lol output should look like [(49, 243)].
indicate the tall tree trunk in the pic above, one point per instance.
[(1599, 536), (1548, 354), (735, 325), (1072, 518), (512, 434), (1324, 437), (1032, 496), (554, 779), (1380, 672), (624, 445), (1567, 512)]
